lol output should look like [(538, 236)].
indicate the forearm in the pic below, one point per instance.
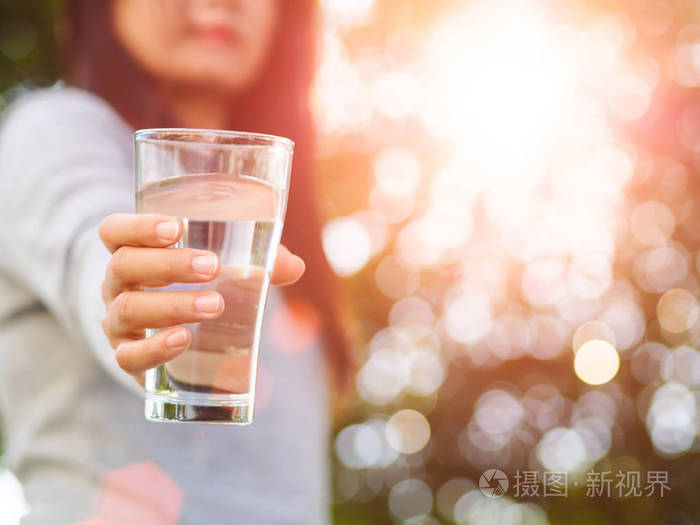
[(64, 165)]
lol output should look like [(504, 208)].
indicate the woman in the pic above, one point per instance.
[(73, 420)]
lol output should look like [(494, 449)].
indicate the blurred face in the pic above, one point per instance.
[(212, 44)]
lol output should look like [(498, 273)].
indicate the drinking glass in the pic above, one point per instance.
[(229, 191)]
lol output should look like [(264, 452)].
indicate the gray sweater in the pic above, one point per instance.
[(72, 422)]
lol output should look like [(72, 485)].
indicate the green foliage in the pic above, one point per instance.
[(28, 45)]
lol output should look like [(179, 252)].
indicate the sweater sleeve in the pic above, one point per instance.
[(65, 164)]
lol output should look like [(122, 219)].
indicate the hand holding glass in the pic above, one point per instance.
[(229, 191)]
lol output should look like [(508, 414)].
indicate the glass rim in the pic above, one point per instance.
[(255, 139)]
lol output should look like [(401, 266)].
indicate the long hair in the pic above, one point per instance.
[(277, 103)]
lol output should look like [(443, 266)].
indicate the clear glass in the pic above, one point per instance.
[(229, 191)]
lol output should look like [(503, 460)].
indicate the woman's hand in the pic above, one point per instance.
[(140, 258)]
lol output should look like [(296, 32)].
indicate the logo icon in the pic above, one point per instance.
[(493, 483)]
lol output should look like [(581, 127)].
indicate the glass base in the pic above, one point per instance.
[(223, 411)]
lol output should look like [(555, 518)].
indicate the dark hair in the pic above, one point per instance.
[(277, 103)]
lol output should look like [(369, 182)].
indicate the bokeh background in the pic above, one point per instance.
[(513, 199)]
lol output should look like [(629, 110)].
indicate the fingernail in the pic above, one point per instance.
[(205, 264), (168, 230), (208, 304), (176, 340)]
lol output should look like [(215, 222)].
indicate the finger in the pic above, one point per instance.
[(132, 229), (136, 356), (288, 267), (132, 312), (157, 267)]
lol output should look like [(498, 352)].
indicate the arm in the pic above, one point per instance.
[(65, 164)]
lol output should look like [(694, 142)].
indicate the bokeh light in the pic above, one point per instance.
[(395, 279), (531, 259), (652, 223), (590, 331), (409, 498), (562, 450), (364, 445), (647, 361), (449, 494), (677, 310), (407, 431), (383, 377), (347, 245), (397, 172), (671, 419), (682, 365), (498, 412), (596, 362), (468, 318), (475, 508)]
